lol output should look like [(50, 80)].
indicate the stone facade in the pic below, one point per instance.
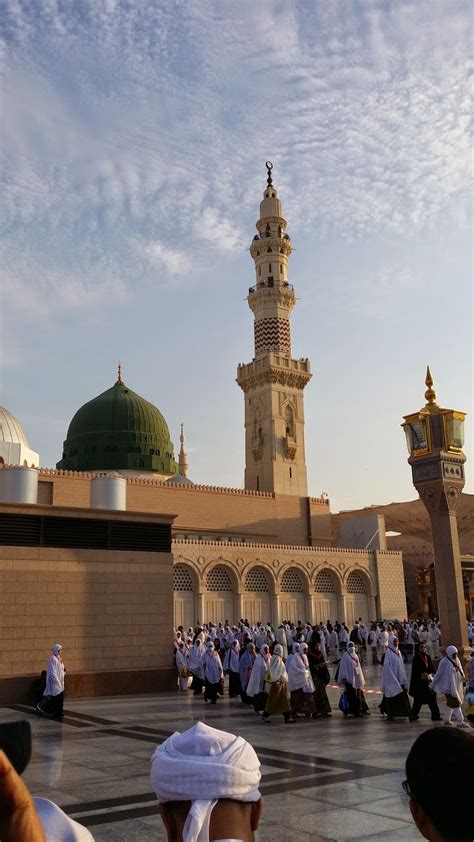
[(218, 581)]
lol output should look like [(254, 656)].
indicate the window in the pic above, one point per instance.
[(256, 581), (218, 579), (258, 483), (291, 581), (290, 473), (182, 579), (355, 583), (324, 583)]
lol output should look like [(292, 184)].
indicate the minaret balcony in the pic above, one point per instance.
[(271, 285)]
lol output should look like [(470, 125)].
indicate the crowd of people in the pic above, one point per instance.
[(285, 670)]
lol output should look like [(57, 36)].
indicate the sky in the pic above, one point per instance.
[(134, 136)]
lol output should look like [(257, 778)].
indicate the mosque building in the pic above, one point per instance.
[(121, 532)]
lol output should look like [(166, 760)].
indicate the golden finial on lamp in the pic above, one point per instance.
[(430, 394)]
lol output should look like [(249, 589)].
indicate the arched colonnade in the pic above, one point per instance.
[(259, 593)]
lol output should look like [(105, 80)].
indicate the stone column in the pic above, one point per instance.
[(441, 504)]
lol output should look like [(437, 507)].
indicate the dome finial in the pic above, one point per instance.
[(269, 167), (119, 377), (430, 394)]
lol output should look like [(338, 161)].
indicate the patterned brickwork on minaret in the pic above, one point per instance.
[(273, 382)]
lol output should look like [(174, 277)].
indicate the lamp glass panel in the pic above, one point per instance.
[(455, 433), (418, 435)]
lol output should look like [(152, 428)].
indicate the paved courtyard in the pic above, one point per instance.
[(331, 779)]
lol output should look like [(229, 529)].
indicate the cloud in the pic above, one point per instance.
[(175, 262), (131, 124)]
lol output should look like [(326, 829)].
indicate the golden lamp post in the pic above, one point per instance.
[(435, 437)]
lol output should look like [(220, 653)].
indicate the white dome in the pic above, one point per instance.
[(11, 430)]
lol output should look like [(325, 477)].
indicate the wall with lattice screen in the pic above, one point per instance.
[(324, 583), (355, 583), (218, 579), (182, 579), (256, 581), (291, 581)]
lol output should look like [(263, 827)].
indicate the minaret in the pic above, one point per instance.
[(273, 382), (182, 462)]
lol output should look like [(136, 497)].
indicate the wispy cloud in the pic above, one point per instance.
[(140, 123)]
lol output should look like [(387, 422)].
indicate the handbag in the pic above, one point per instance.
[(344, 703)]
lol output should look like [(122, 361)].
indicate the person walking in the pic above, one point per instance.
[(373, 638), (320, 675), (246, 662), (195, 666), (213, 673), (53, 699), (449, 680), (256, 687), (422, 670), (182, 667), (231, 668), (394, 684), (277, 684), (350, 677), (300, 684)]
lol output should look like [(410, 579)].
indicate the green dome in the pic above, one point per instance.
[(118, 430)]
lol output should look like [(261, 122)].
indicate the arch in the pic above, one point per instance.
[(325, 599), (293, 590), (184, 595), (357, 598), (256, 599), (219, 597)]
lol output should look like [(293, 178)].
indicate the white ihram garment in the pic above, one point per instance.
[(394, 678)]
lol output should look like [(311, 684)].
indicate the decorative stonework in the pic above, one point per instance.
[(272, 335), (452, 494), (293, 379)]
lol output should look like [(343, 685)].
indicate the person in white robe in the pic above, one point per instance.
[(433, 641), (350, 677), (231, 668), (53, 698), (195, 666), (333, 645), (300, 684), (256, 686), (449, 680), (182, 667), (213, 674), (343, 638), (282, 640), (394, 684), (277, 688), (219, 774)]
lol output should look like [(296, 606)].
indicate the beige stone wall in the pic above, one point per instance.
[(276, 519), (392, 603), (201, 557), (111, 610)]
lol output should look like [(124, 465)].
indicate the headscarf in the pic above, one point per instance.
[(276, 666), (57, 648), (449, 676), (394, 678), (299, 677), (203, 765)]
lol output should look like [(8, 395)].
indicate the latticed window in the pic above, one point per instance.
[(256, 580), (324, 582), (218, 579), (182, 579), (291, 581), (355, 583)]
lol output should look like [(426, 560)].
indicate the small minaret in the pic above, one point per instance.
[(273, 382), (182, 461)]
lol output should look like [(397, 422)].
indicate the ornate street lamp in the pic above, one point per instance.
[(435, 437)]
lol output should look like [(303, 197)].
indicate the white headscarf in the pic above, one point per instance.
[(394, 677), (276, 666), (57, 648), (203, 765), (449, 675)]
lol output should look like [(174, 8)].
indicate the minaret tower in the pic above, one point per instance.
[(273, 382), (183, 456)]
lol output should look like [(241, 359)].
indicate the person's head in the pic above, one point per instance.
[(452, 652), (210, 647), (316, 647), (394, 641), (439, 763), (207, 779), (57, 649), (351, 647), (278, 650), (422, 648)]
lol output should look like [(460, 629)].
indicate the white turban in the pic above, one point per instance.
[(202, 765)]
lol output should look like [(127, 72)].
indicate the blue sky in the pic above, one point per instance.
[(134, 137)]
